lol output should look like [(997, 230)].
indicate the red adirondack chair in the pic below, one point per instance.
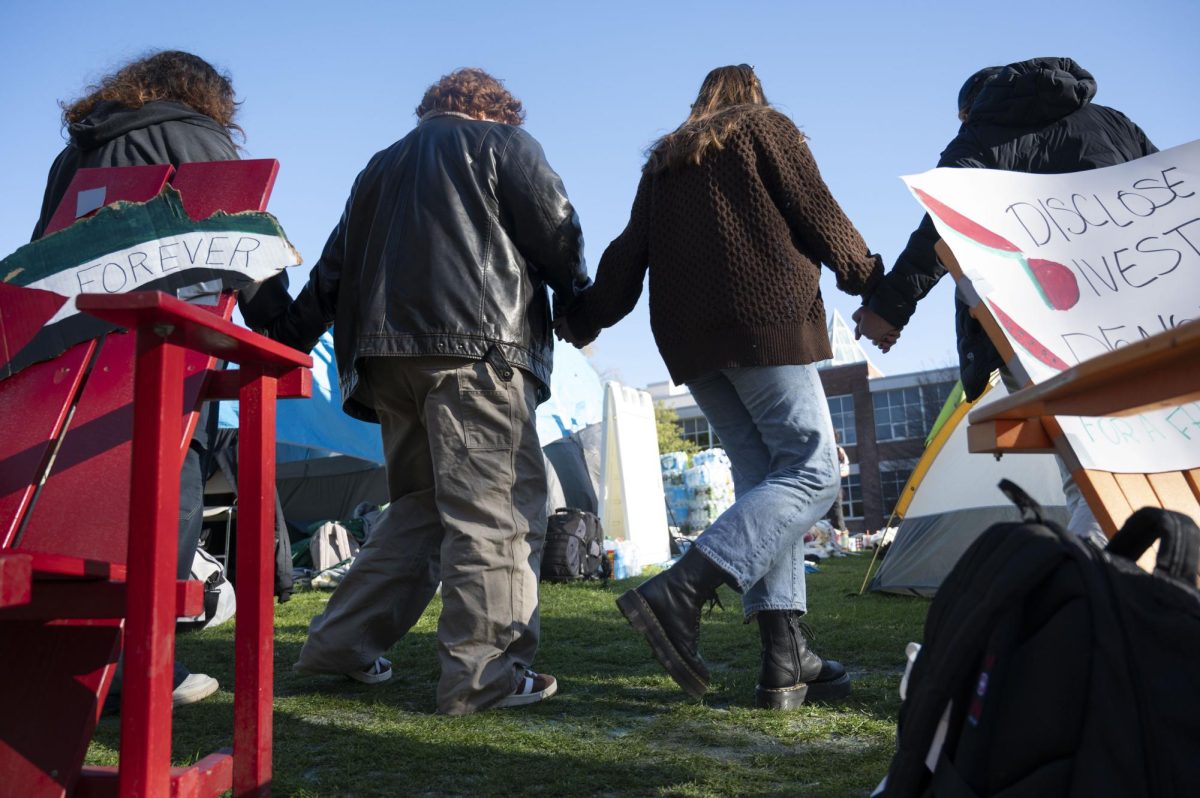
[(91, 446)]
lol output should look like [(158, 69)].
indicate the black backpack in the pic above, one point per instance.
[(574, 547), (1051, 668)]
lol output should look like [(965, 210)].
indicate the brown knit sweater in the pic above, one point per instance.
[(733, 246)]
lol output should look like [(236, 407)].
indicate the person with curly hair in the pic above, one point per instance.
[(166, 107), (732, 221), (435, 279)]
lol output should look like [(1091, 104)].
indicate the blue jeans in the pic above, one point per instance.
[(774, 424)]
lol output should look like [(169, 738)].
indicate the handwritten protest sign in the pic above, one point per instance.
[(1076, 265), (130, 246)]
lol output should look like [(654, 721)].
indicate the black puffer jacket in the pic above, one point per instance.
[(157, 133), (448, 241), (1035, 116)]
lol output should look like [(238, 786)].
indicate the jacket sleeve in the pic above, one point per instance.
[(539, 217), (619, 276), (917, 269), (262, 303), (813, 215), (314, 309)]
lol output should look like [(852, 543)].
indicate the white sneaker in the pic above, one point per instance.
[(377, 672), (196, 687)]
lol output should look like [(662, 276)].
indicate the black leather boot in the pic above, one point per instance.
[(791, 671), (665, 609)]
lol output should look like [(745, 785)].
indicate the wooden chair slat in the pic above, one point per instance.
[(1174, 493), (43, 393), (1137, 489), (1193, 480), (1106, 499)]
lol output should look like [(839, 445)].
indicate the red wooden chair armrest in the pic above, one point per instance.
[(193, 328)]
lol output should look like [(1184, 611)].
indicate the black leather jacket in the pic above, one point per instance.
[(447, 243), (1035, 116)]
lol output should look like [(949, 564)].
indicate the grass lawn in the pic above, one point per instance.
[(618, 726)]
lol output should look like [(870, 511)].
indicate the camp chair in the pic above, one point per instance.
[(91, 446), (1156, 372)]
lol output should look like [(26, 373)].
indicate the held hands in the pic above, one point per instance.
[(877, 329), (562, 331)]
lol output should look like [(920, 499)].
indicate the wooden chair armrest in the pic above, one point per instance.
[(295, 384), (193, 328), (1159, 371)]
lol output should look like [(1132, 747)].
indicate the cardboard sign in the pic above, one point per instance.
[(137, 246), (1075, 265)]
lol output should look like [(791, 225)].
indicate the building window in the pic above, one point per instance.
[(699, 431), (841, 411), (907, 413), (852, 501), (893, 476)]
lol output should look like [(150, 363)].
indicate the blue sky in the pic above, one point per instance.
[(326, 85)]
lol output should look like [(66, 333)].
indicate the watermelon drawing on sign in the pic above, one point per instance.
[(1030, 344), (1055, 282), (964, 226)]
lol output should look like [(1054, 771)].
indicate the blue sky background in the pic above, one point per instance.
[(326, 85)]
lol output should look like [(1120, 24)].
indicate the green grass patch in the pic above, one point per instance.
[(618, 726)]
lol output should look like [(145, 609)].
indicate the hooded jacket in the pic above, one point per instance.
[(157, 133), (1034, 116), (448, 241)]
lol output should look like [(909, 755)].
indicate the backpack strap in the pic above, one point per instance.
[(1031, 511), (1178, 536)]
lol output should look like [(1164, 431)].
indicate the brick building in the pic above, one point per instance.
[(882, 422)]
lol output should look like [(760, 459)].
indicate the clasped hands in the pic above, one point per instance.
[(875, 328), (563, 331)]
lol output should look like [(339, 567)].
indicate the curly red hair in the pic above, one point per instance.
[(475, 93)]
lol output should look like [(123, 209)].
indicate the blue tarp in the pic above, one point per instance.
[(576, 396), (317, 426)]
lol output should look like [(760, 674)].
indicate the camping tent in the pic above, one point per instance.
[(326, 461), (952, 496), (573, 468)]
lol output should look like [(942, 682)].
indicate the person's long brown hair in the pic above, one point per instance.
[(724, 95), (476, 94), (165, 75)]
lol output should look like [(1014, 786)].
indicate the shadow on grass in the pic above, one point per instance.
[(451, 757), (619, 726)]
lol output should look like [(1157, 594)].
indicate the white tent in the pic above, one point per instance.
[(632, 507), (952, 497)]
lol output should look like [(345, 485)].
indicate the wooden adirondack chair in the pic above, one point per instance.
[(91, 446), (1160, 371)]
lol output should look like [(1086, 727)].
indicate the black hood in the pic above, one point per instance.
[(109, 120), (1034, 92)]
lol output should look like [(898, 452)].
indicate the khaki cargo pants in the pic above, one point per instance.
[(468, 506)]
